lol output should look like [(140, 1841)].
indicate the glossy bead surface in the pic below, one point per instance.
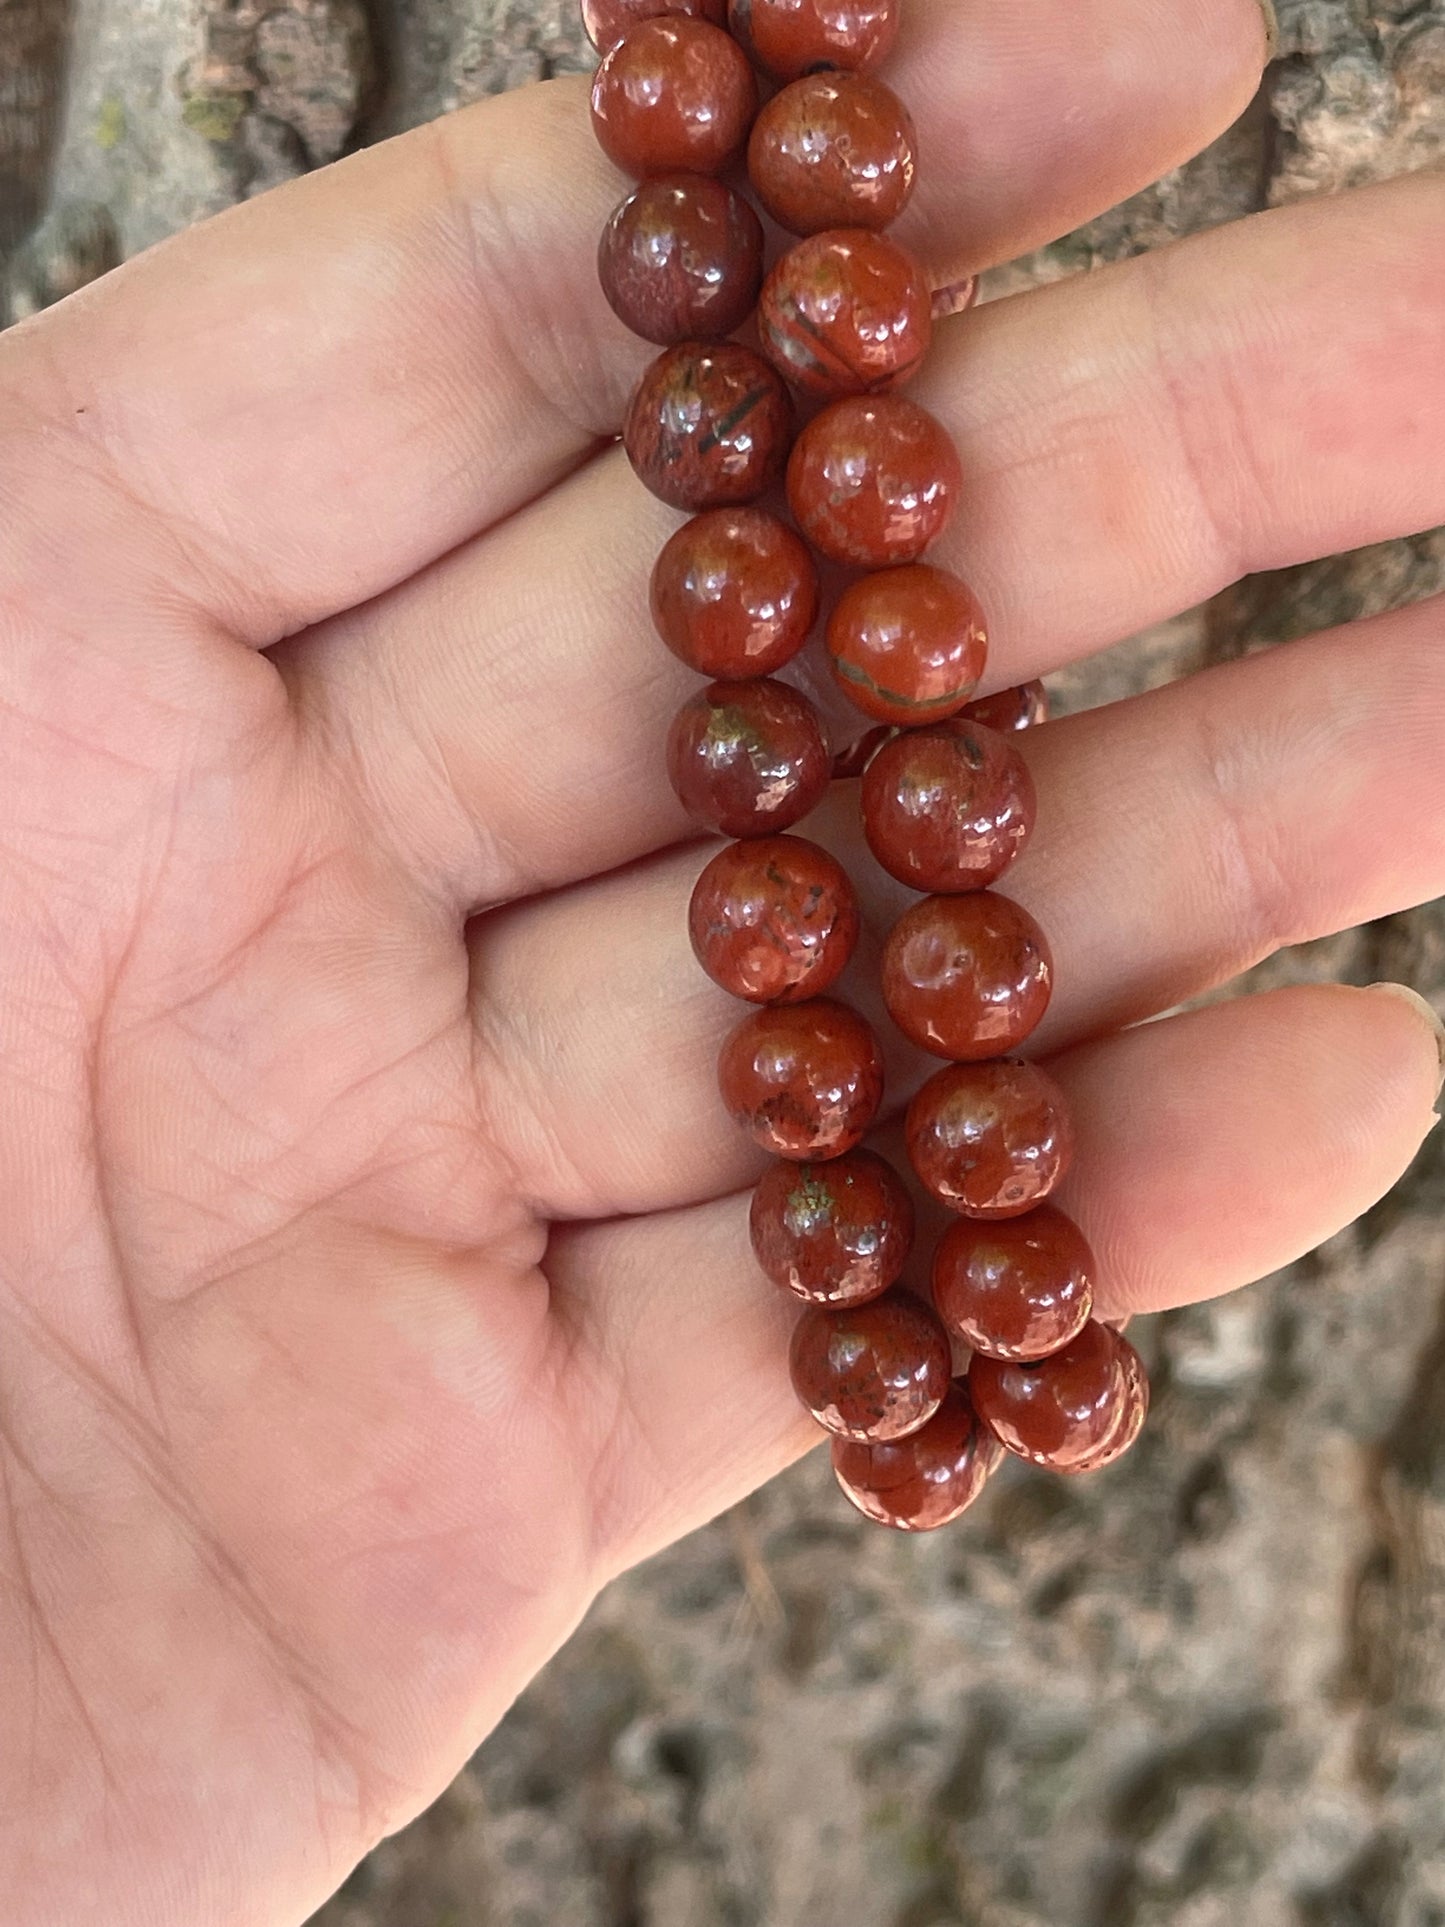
[(748, 758), (675, 95), (873, 480), (734, 593), (682, 259), (1011, 710), (874, 1371), (967, 977), (833, 1234), (908, 645), (990, 1140), (606, 21), (926, 1480), (1057, 1412), (846, 313), (774, 920), (833, 151), (792, 37), (805, 1079), (1132, 1414), (948, 808), (1016, 1290), (709, 426)]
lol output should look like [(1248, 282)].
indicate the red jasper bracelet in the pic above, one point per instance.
[(845, 316)]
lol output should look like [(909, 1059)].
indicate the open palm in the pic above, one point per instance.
[(373, 1268)]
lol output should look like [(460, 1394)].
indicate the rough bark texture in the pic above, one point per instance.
[(1208, 1690)]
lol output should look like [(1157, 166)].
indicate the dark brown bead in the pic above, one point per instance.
[(682, 259), (709, 426), (674, 96), (926, 1480), (1058, 1412), (874, 1371), (1011, 710), (846, 313), (833, 151), (734, 593), (833, 1234), (873, 480), (990, 1140), (908, 645), (948, 808), (748, 758), (774, 920), (606, 21), (1133, 1412), (1018, 1290), (792, 37), (805, 1079), (967, 977)]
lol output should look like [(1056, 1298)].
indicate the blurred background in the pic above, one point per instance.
[(1207, 1689)]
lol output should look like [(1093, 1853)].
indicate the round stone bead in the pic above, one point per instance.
[(874, 1371), (607, 20), (682, 259), (833, 1234), (1012, 710), (873, 480), (1134, 1411), (967, 977), (990, 1140), (853, 759), (734, 593), (774, 920), (948, 808), (805, 1079), (908, 645), (926, 1480), (675, 95), (833, 151), (792, 37), (709, 426), (846, 313), (1018, 1290), (748, 758), (1058, 1412)]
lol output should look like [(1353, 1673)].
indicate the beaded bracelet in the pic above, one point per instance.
[(845, 316)]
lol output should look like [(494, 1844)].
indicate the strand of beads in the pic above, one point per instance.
[(846, 316)]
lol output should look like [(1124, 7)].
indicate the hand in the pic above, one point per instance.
[(373, 1277)]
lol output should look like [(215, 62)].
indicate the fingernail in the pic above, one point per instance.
[(1271, 28), (1427, 1012)]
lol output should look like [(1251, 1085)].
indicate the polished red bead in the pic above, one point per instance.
[(792, 37), (1133, 1412), (1057, 1412), (873, 480), (748, 758), (833, 151), (990, 1140), (967, 977), (851, 761), (805, 1079), (1015, 1290), (948, 808), (908, 645), (675, 95), (846, 313), (682, 259), (734, 593), (709, 426), (833, 1234), (607, 20), (774, 920), (926, 1480), (874, 1371), (1011, 710)]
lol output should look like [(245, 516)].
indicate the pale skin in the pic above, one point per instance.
[(373, 1273)]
